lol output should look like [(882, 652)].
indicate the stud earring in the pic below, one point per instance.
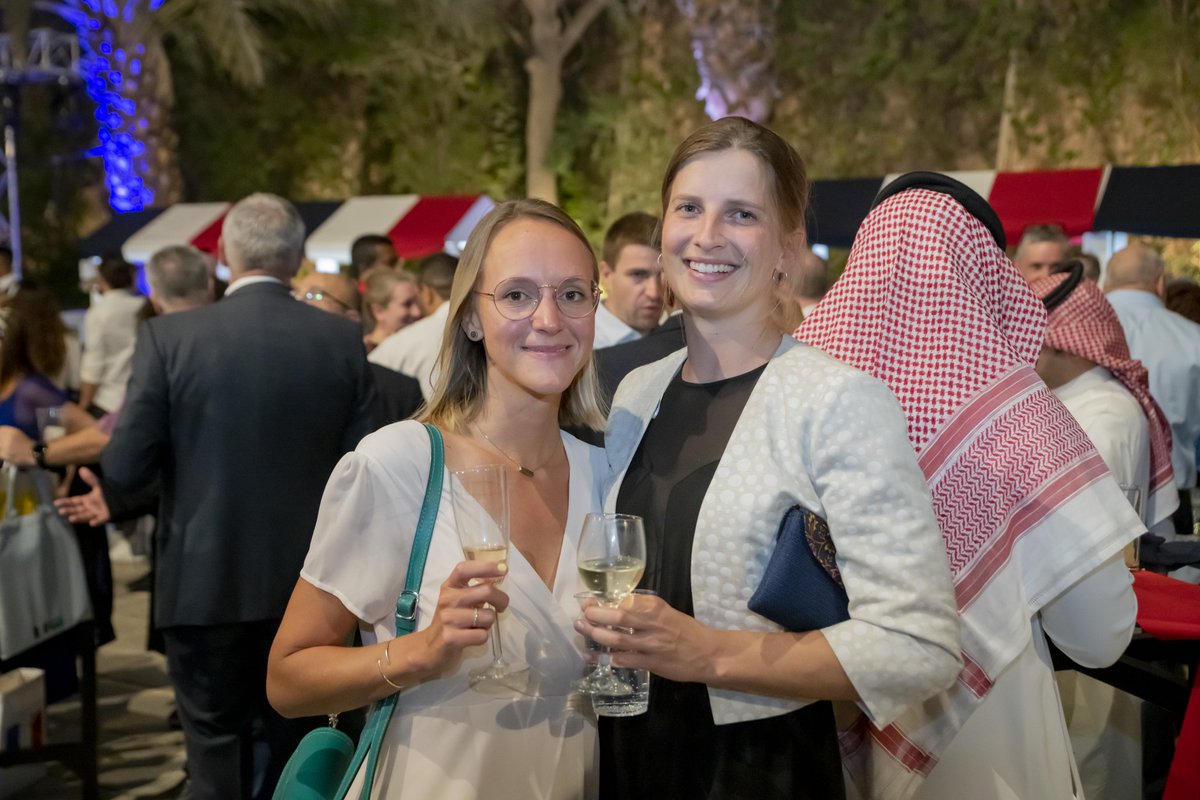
[(474, 334)]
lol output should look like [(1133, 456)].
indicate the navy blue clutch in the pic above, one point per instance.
[(801, 588)]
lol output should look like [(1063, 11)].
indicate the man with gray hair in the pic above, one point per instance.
[(244, 407), (1043, 248), (1168, 345), (179, 279)]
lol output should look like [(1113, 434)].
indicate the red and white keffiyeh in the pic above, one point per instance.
[(932, 306), (1085, 325)]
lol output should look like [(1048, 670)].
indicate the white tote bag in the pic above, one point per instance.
[(43, 589)]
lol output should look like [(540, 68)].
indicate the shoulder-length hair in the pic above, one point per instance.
[(34, 337), (461, 368), (787, 192)]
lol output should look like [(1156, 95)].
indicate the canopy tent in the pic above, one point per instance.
[(418, 225), (1156, 201)]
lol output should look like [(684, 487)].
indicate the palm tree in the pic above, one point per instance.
[(129, 77)]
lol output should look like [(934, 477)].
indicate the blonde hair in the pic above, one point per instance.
[(378, 283), (787, 194), (462, 364)]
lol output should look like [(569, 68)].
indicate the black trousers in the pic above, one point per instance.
[(237, 744)]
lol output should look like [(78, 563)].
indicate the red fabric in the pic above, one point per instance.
[(206, 240), (1170, 609), (422, 231), (1085, 325), (1065, 196), (1167, 608)]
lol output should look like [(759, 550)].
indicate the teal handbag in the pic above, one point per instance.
[(326, 761)]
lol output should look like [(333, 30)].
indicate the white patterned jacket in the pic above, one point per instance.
[(831, 438)]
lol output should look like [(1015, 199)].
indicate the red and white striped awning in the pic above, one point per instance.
[(197, 224), (418, 225)]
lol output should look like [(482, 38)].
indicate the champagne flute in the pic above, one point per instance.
[(611, 560), (480, 497)]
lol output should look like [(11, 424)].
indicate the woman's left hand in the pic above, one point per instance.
[(667, 642)]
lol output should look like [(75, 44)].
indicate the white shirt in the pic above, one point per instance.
[(414, 349), (1114, 421), (1168, 344), (1105, 724), (611, 330), (109, 330), (249, 280), (446, 740)]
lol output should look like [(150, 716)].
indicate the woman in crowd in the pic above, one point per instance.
[(1033, 523), (33, 353), (32, 349), (515, 365), (712, 445), (389, 304)]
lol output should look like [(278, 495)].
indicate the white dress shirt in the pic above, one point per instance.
[(413, 350), (109, 330), (611, 330), (1168, 344)]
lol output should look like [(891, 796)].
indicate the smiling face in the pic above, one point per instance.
[(542, 354), (721, 243), (401, 309)]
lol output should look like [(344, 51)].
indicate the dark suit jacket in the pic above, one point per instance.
[(399, 394), (244, 407), (614, 363)]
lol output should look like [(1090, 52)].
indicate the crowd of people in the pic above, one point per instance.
[(982, 437)]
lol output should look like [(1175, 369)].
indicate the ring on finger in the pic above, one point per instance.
[(475, 618)]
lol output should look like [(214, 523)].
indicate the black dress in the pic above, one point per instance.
[(675, 750)]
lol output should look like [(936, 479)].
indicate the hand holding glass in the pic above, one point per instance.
[(480, 497), (612, 558)]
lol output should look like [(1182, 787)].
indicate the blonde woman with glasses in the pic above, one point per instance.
[(515, 366)]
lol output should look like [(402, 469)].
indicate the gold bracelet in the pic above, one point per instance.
[(379, 664), (387, 653)]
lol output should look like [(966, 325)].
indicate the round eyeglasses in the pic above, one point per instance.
[(518, 298)]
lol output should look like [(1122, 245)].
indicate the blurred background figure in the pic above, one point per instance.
[(109, 328), (632, 279), (813, 281), (1042, 249), (369, 251), (1169, 346), (399, 396), (390, 302), (413, 350)]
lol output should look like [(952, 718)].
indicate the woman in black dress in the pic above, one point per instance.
[(711, 446)]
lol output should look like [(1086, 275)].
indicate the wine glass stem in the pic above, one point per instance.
[(497, 648)]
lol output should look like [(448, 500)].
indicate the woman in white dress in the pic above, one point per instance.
[(515, 366)]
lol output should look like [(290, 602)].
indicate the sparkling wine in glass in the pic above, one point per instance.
[(611, 560), (480, 497)]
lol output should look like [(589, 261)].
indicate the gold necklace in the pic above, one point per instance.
[(524, 470)]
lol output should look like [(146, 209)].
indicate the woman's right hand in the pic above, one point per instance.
[(463, 616)]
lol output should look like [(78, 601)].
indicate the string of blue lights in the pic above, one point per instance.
[(110, 71)]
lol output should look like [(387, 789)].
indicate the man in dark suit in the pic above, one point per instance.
[(243, 407), (399, 395)]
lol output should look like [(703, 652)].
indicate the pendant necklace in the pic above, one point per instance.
[(524, 470)]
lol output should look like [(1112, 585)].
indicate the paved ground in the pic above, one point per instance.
[(140, 755)]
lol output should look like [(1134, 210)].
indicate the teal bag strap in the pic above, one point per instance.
[(406, 616)]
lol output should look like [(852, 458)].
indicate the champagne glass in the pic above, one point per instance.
[(480, 497), (611, 560)]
